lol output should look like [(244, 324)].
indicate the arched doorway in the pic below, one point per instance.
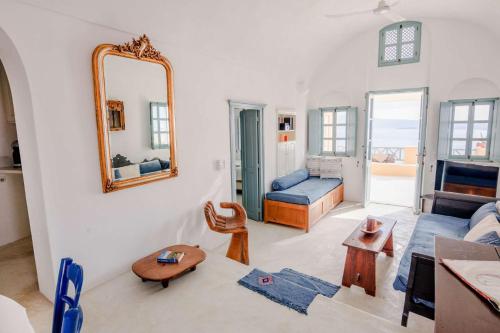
[(26, 133)]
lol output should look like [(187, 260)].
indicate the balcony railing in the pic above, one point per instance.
[(388, 154)]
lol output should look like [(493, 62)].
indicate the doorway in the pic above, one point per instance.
[(18, 276), (395, 147), (247, 176)]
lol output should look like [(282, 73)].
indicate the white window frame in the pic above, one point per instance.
[(399, 27), (470, 129), (334, 125), (156, 131)]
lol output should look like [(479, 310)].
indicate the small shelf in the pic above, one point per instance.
[(11, 170)]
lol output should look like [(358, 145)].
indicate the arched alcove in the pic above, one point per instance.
[(474, 88), (26, 132)]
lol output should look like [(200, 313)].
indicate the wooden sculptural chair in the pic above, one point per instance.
[(235, 225)]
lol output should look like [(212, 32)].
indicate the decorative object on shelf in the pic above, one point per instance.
[(148, 269), (285, 156), (149, 78), (16, 156), (116, 115), (235, 225)]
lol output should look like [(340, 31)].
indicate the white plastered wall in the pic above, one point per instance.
[(69, 214), (458, 60)]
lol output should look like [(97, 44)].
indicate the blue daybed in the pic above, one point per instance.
[(300, 200), (452, 216)]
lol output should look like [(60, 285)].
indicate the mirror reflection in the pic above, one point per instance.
[(137, 117)]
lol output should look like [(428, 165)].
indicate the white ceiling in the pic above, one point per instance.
[(292, 35)]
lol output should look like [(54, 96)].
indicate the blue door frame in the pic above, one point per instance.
[(254, 198)]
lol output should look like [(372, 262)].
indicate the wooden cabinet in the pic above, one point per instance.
[(285, 158)]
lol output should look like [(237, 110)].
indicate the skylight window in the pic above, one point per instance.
[(399, 43)]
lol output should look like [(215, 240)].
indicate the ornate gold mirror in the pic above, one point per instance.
[(133, 89)]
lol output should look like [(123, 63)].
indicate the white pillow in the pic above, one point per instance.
[(486, 225), (130, 171), (498, 207), (313, 165), (331, 167)]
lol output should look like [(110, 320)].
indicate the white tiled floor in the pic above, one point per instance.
[(393, 190), (210, 300)]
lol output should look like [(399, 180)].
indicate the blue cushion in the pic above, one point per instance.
[(306, 192), (481, 213), (282, 183), (151, 166), (490, 238), (118, 175), (422, 240)]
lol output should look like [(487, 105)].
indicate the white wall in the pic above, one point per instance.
[(106, 233), (14, 222), (136, 84), (458, 60)]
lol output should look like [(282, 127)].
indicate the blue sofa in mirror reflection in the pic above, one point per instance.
[(124, 169)]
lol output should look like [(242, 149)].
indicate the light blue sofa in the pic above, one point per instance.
[(452, 216)]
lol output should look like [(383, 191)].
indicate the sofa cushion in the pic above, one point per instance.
[(330, 167), (282, 183), (490, 238), (422, 240), (487, 225), (151, 166), (313, 165), (489, 208), (306, 192), (129, 171)]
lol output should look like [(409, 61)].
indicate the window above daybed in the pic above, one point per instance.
[(399, 43), (469, 130), (332, 131)]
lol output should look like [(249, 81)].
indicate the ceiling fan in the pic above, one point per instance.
[(383, 9)]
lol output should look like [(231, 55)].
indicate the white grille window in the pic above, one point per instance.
[(400, 43)]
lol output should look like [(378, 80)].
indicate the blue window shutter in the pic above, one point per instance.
[(314, 124), (351, 132), (444, 139), (495, 132)]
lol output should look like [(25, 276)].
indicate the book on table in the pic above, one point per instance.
[(482, 276), (170, 257)]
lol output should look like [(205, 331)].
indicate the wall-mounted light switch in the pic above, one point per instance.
[(220, 164)]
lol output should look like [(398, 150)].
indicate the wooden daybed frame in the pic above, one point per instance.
[(302, 216)]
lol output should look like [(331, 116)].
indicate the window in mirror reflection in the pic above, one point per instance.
[(159, 125)]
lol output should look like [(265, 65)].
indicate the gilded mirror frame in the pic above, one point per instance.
[(140, 50)]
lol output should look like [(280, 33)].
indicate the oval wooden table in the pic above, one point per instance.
[(148, 269)]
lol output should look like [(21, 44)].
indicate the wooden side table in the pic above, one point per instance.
[(148, 269), (362, 251)]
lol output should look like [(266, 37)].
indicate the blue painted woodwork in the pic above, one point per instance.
[(67, 312), (250, 163)]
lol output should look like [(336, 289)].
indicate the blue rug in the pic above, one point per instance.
[(290, 288)]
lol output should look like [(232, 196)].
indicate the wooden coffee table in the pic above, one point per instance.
[(148, 269), (362, 251)]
